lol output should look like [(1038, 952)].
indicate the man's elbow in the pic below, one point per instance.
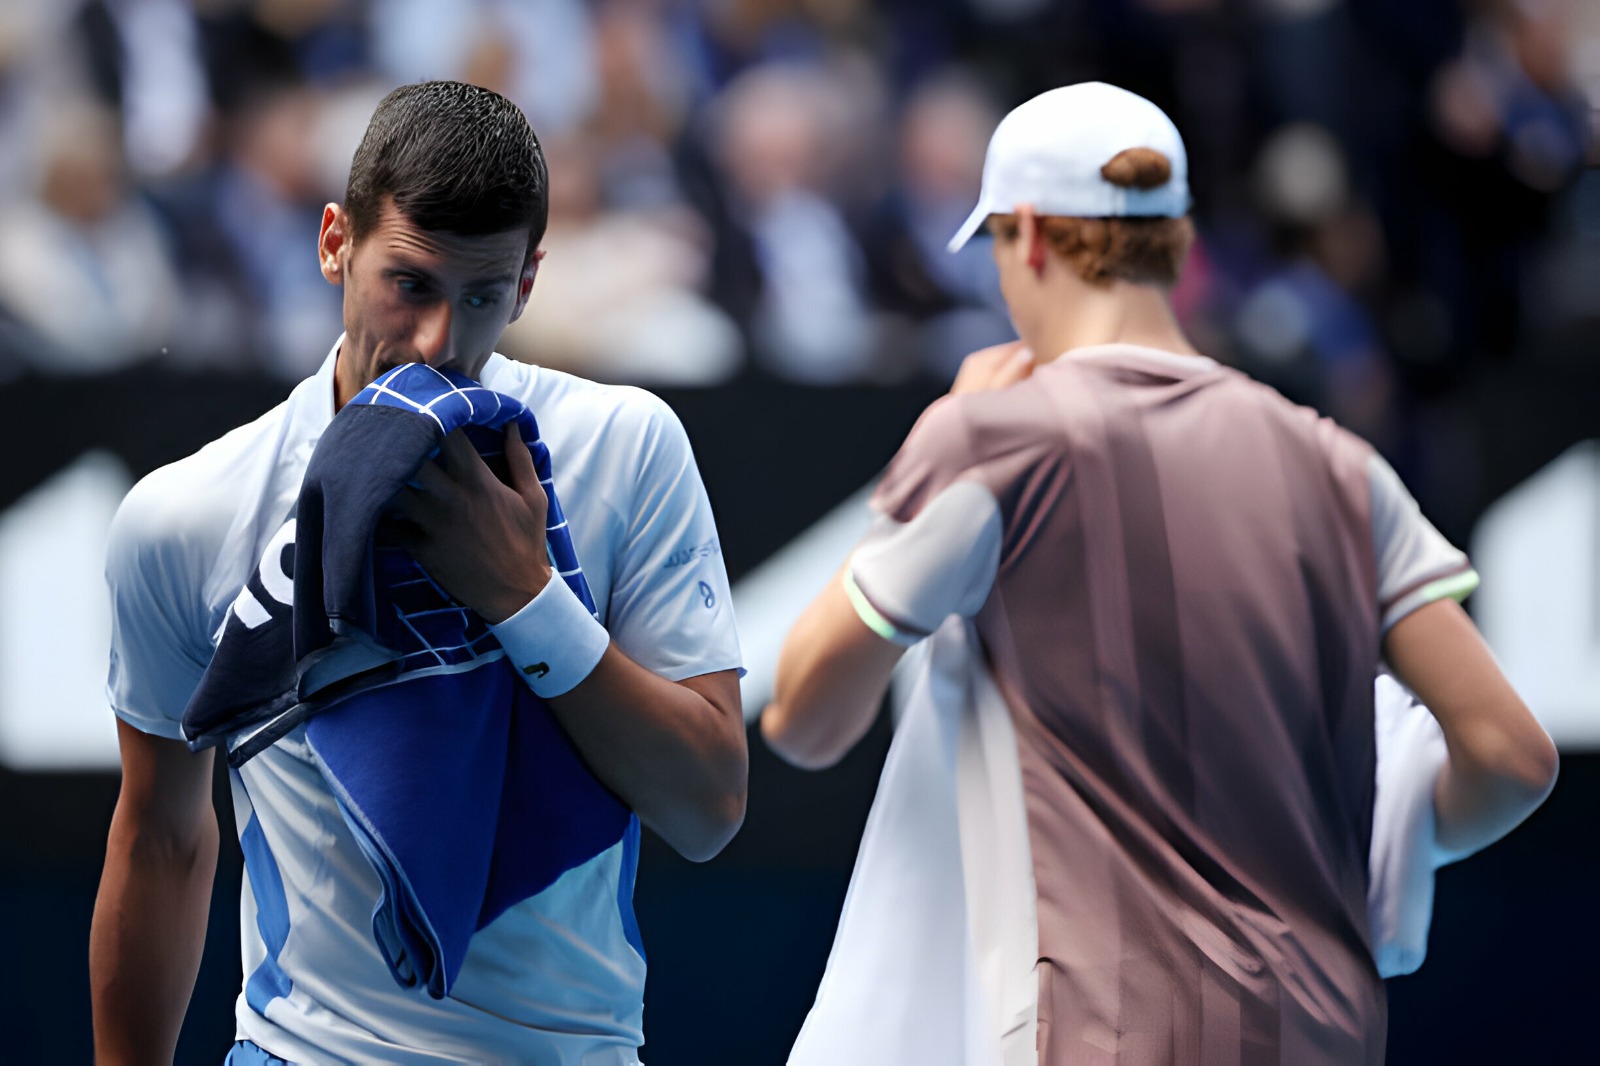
[(1523, 755), (792, 745), (1522, 763), (715, 827), (1535, 765)]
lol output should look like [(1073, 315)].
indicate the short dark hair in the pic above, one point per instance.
[(455, 158)]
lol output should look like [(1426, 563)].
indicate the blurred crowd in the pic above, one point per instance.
[(1388, 194)]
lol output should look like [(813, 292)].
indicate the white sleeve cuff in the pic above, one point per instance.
[(913, 575), (554, 642)]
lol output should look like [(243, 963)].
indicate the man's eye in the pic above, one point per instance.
[(409, 285), (479, 302)]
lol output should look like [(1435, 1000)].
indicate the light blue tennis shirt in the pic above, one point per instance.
[(556, 979)]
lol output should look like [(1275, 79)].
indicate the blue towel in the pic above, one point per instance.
[(458, 784)]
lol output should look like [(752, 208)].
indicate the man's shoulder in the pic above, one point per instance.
[(1231, 394), (193, 501), (557, 396), (1330, 437), (962, 430), (620, 436)]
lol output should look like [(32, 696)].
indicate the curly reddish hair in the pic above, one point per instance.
[(1145, 251)]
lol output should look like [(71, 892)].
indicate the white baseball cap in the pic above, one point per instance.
[(1048, 153)]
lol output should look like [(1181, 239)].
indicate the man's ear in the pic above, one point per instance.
[(530, 270), (333, 243), (1031, 238)]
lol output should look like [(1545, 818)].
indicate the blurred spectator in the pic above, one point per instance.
[(622, 299), (1564, 285), (143, 57), (326, 37), (41, 63), (84, 261), (741, 152), (269, 207), (1583, 42), (539, 53), (1564, 280), (1506, 128), (642, 105), (246, 222), (729, 37), (953, 300), (1302, 326), (1509, 94), (780, 137), (617, 298), (1304, 49)]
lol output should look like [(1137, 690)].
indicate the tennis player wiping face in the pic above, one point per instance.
[(421, 296), (435, 246), (437, 241)]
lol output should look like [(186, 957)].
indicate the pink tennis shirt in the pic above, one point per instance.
[(1180, 581)]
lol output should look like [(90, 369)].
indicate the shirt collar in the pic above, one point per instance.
[(1175, 360)]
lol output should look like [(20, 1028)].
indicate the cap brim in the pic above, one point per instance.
[(968, 228)]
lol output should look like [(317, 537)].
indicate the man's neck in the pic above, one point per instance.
[(1121, 313)]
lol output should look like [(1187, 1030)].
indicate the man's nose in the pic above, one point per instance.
[(433, 338)]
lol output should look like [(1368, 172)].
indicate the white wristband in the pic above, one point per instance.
[(554, 642)]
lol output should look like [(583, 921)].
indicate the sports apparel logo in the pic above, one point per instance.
[(685, 556), (276, 575)]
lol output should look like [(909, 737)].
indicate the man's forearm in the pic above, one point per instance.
[(832, 675), (1474, 806), (1501, 761), (148, 931), (673, 751)]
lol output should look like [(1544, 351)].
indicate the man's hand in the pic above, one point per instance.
[(993, 368), (481, 540), (673, 751)]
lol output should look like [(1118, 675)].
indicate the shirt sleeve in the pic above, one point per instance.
[(934, 546), (670, 608), (159, 647), (938, 450), (1416, 564), (906, 578)]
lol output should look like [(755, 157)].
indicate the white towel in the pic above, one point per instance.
[(1403, 856), (933, 960)]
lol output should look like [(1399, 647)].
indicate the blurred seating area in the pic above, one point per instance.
[(1393, 199)]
